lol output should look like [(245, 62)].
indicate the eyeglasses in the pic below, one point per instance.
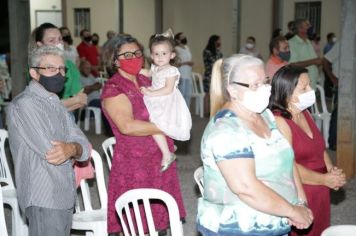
[(255, 86), (52, 69), (130, 55)]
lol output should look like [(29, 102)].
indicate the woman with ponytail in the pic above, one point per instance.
[(250, 183)]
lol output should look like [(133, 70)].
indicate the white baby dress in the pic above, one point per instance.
[(169, 112)]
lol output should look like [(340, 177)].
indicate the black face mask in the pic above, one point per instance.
[(53, 84), (68, 39), (87, 39), (184, 41), (95, 42)]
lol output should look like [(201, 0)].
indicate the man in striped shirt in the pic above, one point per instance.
[(44, 140)]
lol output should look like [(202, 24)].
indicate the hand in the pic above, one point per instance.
[(318, 61), (301, 218), (339, 177), (82, 98), (189, 63), (145, 91), (60, 152), (335, 178)]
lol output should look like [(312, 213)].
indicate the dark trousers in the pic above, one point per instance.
[(333, 125)]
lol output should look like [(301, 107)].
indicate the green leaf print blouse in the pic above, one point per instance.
[(221, 212)]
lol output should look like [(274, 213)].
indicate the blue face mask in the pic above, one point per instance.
[(285, 56)]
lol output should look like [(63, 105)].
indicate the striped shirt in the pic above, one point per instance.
[(35, 118)]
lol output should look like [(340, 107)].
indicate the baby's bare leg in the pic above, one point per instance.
[(163, 146)]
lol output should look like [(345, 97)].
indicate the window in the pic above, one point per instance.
[(81, 20), (310, 11)]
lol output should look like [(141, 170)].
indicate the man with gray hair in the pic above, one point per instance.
[(302, 51), (44, 140)]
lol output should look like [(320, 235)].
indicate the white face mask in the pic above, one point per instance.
[(333, 39), (257, 101), (249, 45), (305, 100), (60, 46)]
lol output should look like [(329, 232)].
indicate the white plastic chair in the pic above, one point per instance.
[(198, 93), (97, 118), (143, 195), (3, 230), (92, 220), (322, 118), (19, 227), (340, 230), (198, 176), (108, 146)]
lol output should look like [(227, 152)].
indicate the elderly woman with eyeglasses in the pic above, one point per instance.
[(137, 158), (251, 186)]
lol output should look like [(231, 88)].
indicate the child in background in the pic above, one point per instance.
[(166, 105)]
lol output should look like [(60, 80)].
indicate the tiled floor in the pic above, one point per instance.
[(343, 206)]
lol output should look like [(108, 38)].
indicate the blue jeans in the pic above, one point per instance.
[(186, 88)]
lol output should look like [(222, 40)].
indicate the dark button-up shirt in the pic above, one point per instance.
[(35, 118)]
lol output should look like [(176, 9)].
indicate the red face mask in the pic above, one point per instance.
[(132, 65)]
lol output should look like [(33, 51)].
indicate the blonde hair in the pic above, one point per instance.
[(225, 71)]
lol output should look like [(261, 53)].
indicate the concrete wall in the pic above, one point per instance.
[(198, 20), (346, 143), (139, 19), (257, 22), (42, 5), (330, 16), (103, 16)]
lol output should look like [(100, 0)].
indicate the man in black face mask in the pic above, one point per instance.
[(280, 55), (89, 52), (44, 140)]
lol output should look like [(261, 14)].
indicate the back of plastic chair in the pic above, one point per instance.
[(5, 174), (132, 198), (3, 230), (340, 230), (198, 93), (108, 146), (198, 176), (100, 181), (324, 108)]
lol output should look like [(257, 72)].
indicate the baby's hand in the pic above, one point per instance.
[(145, 91)]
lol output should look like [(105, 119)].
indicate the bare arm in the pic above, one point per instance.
[(119, 109), (308, 176), (167, 89), (240, 176), (285, 130), (328, 70), (91, 88), (306, 63), (75, 102), (61, 151)]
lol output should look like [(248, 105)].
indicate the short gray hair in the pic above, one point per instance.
[(36, 54)]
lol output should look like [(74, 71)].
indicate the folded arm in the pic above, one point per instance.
[(120, 111)]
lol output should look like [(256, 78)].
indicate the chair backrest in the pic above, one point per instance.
[(144, 195), (100, 183), (198, 176), (108, 146), (324, 108), (5, 174), (3, 230), (339, 230), (198, 88)]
